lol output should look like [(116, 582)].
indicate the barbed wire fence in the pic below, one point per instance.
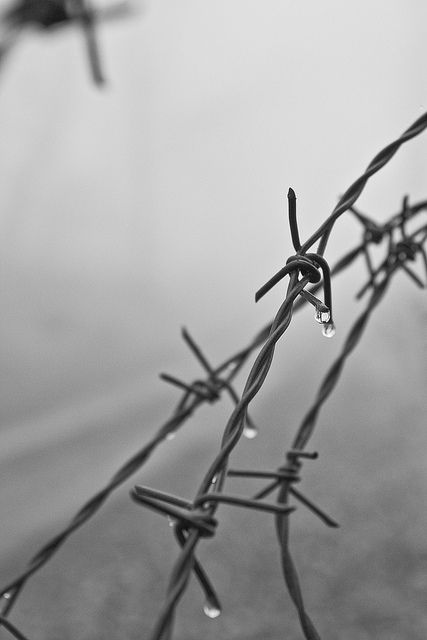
[(196, 519)]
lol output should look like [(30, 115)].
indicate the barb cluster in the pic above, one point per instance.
[(196, 519), (51, 15)]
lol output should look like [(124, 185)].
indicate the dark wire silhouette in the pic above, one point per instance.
[(47, 16)]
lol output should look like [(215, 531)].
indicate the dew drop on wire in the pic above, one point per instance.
[(250, 432), (211, 610), (6, 595), (171, 435), (322, 315), (329, 330), (171, 521)]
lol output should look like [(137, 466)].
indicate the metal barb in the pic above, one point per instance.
[(50, 15), (80, 11), (293, 223), (190, 518)]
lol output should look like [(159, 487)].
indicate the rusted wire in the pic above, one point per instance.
[(196, 519)]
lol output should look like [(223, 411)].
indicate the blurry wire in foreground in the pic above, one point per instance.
[(48, 16)]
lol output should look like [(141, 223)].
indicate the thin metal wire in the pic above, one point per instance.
[(14, 631), (353, 192), (304, 432)]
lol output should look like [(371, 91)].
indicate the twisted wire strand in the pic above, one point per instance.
[(354, 191), (303, 434), (232, 434), (331, 378), (290, 572)]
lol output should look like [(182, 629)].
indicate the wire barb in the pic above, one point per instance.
[(293, 223), (50, 15)]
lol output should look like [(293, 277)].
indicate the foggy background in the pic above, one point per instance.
[(160, 201)]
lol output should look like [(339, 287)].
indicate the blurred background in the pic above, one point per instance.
[(159, 201)]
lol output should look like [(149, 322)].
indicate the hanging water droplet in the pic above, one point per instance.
[(171, 521), (171, 435), (329, 330), (214, 479), (322, 314), (6, 595), (211, 610), (250, 432)]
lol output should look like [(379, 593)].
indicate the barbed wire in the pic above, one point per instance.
[(289, 473), (354, 191), (210, 490), (50, 15), (195, 520)]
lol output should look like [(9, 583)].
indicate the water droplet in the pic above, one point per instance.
[(250, 432), (171, 521), (171, 435), (6, 595), (322, 314), (329, 330), (214, 479), (211, 610)]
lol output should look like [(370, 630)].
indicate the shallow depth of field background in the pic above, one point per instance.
[(160, 202)]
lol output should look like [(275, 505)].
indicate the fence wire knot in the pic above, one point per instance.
[(311, 266), (209, 389), (183, 513)]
